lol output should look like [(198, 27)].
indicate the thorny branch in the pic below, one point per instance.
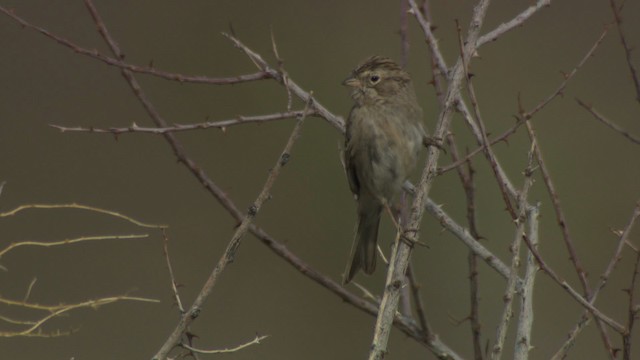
[(220, 124), (609, 123), (422, 202), (627, 49)]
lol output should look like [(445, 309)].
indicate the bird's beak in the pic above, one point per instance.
[(351, 82)]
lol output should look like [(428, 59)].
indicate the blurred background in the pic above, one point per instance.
[(595, 170)]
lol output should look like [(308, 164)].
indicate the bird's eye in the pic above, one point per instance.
[(374, 78)]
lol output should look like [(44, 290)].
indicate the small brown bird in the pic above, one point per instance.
[(384, 137)]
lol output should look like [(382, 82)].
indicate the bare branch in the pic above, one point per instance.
[(404, 33), (134, 68), (418, 303), (617, 255), (468, 183), (627, 49), (525, 319), (69, 241), (289, 84), (255, 341), (221, 124), (513, 23), (574, 294), (633, 310), (567, 77), (500, 176), (432, 42), (57, 310), (81, 207), (172, 278), (609, 123)]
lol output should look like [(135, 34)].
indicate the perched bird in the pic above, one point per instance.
[(384, 137)]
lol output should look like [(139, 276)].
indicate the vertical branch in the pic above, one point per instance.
[(438, 76), (627, 49), (429, 37), (525, 319), (174, 284), (474, 300), (507, 312), (474, 297), (474, 304), (419, 305), (404, 33)]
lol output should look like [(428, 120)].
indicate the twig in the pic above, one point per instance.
[(438, 76), (69, 241), (57, 310), (430, 38), (513, 23), (404, 33), (566, 77), (627, 49), (481, 129), (633, 310), (221, 124), (255, 341), (574, 294), (281, 71), (418, 303), (617, 255), (479, 149), (134, 68), (402, 250), (172, 278), (463, 234), (468, 184), (289, 84), (609, 123), (28, 293), (81, 207)]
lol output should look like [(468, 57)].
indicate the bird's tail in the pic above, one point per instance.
[(363, 250)]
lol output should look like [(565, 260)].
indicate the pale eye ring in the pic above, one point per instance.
[(374, 78)]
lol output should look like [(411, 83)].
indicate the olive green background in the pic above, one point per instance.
[(596, 172)]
